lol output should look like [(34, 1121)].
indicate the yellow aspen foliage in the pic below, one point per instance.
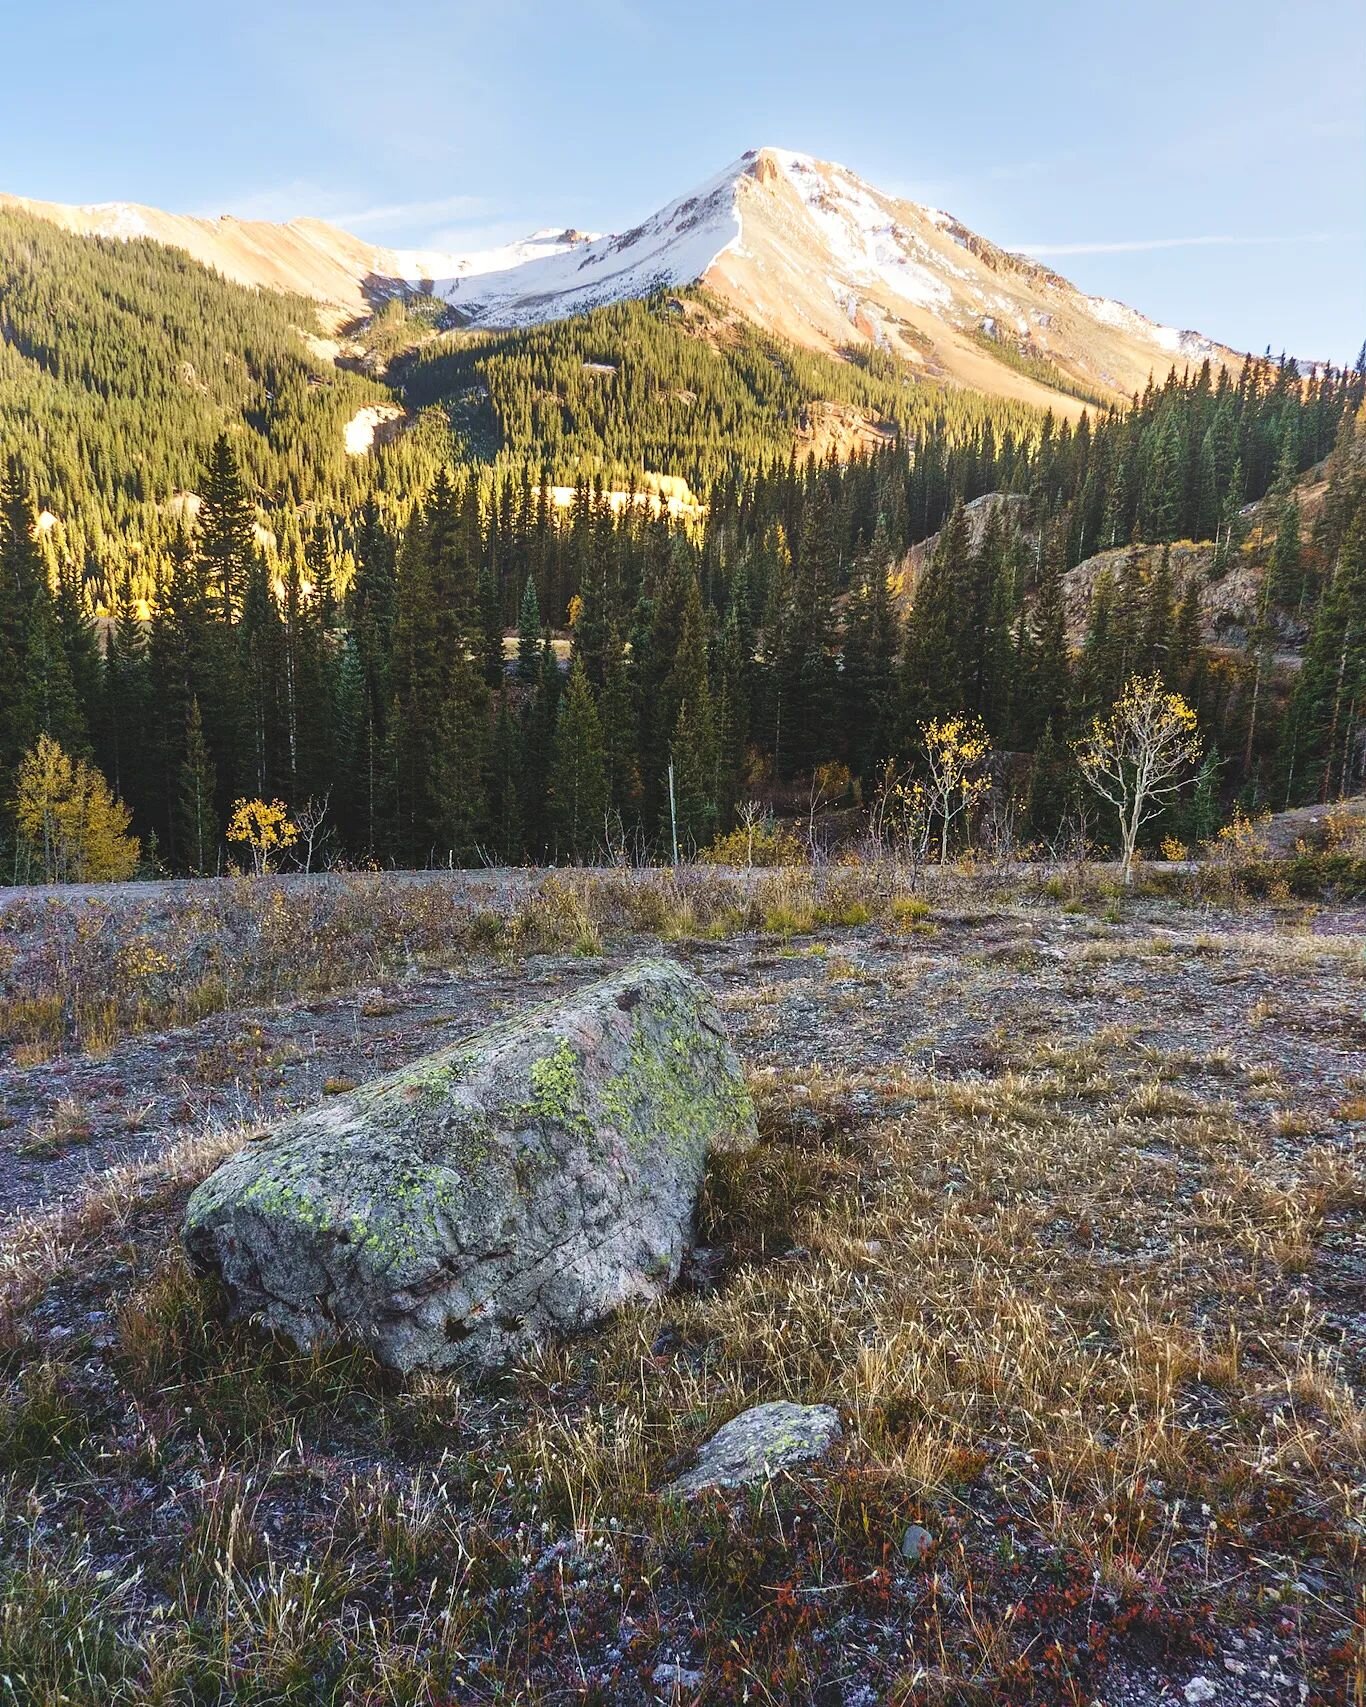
[(265, 827), (957, 749), (69, 821), (1137, 758)]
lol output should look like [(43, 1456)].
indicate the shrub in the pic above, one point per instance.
[(763, 843), (70, 821)]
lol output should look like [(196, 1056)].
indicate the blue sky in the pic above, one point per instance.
[(1205, 162)]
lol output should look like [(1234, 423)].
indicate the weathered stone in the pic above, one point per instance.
[(760, 1441), (522, 1183), (916, 1542)]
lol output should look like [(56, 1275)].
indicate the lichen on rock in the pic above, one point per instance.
[(525, 1182), (760, 1442)]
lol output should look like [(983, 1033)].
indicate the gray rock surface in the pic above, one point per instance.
[(522, 1183), (758, 1442)]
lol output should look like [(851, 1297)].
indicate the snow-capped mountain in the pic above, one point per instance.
[(799, 246)]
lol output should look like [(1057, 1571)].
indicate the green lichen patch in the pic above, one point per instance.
[(557, 1092)]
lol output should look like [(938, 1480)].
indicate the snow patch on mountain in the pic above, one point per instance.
[(861, 235), (551, 277), (435, 267), (365, 425), (118, 219), (1192, 345)]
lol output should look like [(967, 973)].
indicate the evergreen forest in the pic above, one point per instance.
[(205, 598)]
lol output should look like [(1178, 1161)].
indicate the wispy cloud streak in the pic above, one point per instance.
[(1135, 245), (405, 213)]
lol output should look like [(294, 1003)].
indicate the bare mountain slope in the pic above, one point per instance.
[(799, 246), (306, 256)]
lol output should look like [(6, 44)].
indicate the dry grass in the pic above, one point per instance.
[(1058, 1311), (1085, 1308), (79, 973)]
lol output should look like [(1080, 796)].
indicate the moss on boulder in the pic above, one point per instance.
[(525, 1182)]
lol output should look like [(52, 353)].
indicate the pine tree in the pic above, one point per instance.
[(984, 624), (1286, 571), (262, 675), (933, 669), (620, 717), (578, 778), (226, 529), (1158, 622), (1322, 742), (372, 609), (438, 725), (529, 635), (505, 805), (868, 676), (37, 694), (1052, 787), (804, 661), (76, 629), (197, 822), (1044, 705), (693, 751), (125, 708), (732, 716)]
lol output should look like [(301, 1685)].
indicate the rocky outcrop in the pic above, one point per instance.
[(760, 1442), (523, 1183)]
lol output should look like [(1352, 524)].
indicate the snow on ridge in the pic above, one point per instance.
[(117, 219), (422, 265), (862, 237), (1109, 312), (553, 277)]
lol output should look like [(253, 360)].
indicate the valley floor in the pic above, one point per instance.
[(1059, 1200)]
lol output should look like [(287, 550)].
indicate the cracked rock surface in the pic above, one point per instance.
[(524, 1182)]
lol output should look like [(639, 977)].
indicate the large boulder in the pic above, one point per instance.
[(522, 1183)]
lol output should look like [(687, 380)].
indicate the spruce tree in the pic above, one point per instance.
[(1322, 740), (1045, 703), (868, 675), (529, 635), (505, 799), (620, 717), (125, 711), (37, 694), (226, 529), (693, 754), (438, 725), (1286, 570), (933, 668), (578, 778), (197, 822)]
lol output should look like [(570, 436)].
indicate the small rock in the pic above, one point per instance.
[(666, 1341), (1200, 1689), (758, 1442), (916, 1542), (673, 1679)]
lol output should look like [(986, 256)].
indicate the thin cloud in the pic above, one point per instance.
[(408, 213), (301, 198), (1135, 245)]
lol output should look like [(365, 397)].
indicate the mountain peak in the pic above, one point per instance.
[(802, 247)]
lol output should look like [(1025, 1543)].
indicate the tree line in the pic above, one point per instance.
[(479, 677)]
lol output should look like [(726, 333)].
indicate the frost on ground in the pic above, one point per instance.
[(1057, 1202)]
